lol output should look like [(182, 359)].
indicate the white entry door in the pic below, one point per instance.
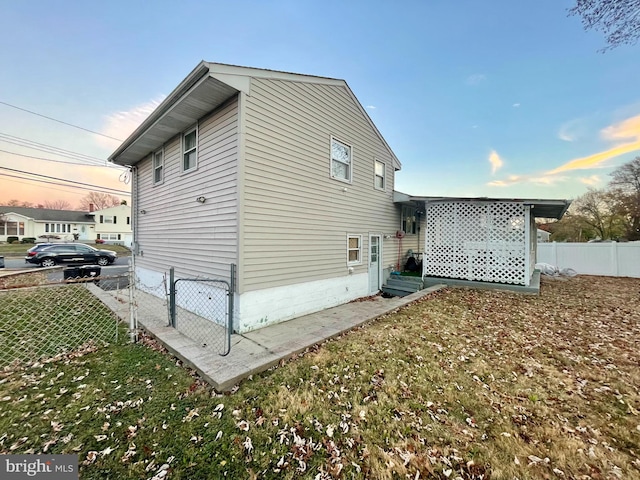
[(375, 263)]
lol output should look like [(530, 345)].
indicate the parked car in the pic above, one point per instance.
[(37, 248), (73, 253)]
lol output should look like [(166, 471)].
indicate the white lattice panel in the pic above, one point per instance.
[(483, 241)]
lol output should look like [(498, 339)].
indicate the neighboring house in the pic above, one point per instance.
[(286, 176), (543, 236), (113, 225), (43, 224)]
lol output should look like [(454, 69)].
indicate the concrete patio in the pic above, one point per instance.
[(255, 351)]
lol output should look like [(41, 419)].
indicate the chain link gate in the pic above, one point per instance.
[(202, 309)]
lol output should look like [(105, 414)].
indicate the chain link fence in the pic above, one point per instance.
[(201, 312), (43, 315), (53, 319)]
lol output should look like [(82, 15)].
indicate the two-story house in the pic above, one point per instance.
[(284, 175), (113, 225)]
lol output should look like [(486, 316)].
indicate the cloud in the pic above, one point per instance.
[(624, 135), (495, 161), (122, 124), (515, 105), (591, 180), (476, 78), (628, 129), (573, 130), (371, 107)]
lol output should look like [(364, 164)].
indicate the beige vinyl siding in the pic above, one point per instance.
[(296, 217), (198, 239)]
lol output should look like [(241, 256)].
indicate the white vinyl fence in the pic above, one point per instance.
[(608, 259)]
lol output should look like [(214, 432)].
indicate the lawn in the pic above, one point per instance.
[(463, 384)]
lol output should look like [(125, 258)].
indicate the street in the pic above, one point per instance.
[(112, 276)]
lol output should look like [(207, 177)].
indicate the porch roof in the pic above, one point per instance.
[(541, 208)]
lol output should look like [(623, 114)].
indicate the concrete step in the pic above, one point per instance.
[(397, 291)]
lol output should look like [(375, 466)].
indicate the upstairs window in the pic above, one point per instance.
[(341, 164), (108, 219), (380, 175), (190, 150), (158, 167)]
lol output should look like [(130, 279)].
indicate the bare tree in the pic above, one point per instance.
[(99, 201), (597, 210), (625, 189), (619, 20), (19, 203), (57, 205)]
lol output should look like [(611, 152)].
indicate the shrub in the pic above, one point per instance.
[(29, 240), (12, 239)]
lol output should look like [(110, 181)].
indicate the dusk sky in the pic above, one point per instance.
[(500, 99)]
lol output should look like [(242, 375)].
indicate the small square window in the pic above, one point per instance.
[(354, 249), (341, 165), (158, 167), (190, 150), (380, 175)]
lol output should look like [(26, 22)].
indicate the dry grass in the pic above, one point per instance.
[(479, 384), (464, 384)]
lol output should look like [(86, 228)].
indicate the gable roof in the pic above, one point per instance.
[(48, 215), (206, 88)]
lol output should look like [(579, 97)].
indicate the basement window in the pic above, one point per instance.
[(354, 249)]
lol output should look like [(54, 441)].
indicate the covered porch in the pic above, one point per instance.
[(490, 240)]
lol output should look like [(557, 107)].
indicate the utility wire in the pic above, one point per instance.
[(30, 182), (99, 189), (24, 142), (63, 180), (60, 121), (62, 161)]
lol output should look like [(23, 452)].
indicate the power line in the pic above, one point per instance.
[(24, 142), (99, 190), (27, 182), (61, 161), (63, 180), (60, 121)]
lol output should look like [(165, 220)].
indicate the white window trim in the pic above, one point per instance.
[(384, 176), (184, 134), (359, 261), (154, 168), (350, 179)]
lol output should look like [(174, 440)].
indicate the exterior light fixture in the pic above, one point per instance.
[(143, 212), (201, 199)]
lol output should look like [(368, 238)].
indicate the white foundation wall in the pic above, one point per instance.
[(259, 308)]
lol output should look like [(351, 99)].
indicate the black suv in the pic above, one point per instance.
[(75, 253)]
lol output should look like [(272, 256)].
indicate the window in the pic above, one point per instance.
[(158, 165), (57, 228), (340, 161), (380, 171), (109, 236), (128, 220), (107, 219), (354, 249), (190, 150), (409, 224)]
